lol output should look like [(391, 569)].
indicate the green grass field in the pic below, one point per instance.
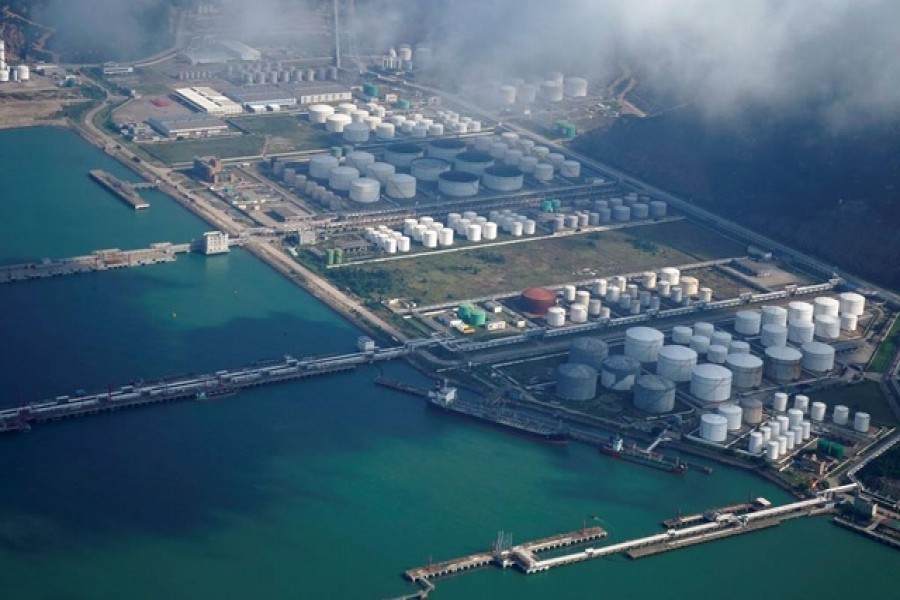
[(886, 350), (225, 147), (285, 133), (862, 396), (482, 271)]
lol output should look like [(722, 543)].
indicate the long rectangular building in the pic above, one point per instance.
[(208, 100), (188, 126), (317, 93), (262, 96)]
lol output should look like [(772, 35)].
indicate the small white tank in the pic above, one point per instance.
[(817, 412), (772, 450), (779, 401), (828, 327), (841, 415), (556, 316), (747, 322), (713, 428), (861, 422)]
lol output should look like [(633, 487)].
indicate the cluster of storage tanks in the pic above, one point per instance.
[(553, 88), (613, 210), (627, 297), (468, 225), (12, 73), (359, 123), (275, 72), (790, 428)]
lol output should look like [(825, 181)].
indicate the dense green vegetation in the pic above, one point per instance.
[(833, 194), (883, 473), (367, 283), (887, 349)]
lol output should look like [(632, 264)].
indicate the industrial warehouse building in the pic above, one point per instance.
[(208, 100), (262, 96), (317, 93), (188, 126)]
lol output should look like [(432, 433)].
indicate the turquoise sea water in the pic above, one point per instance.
[(327, 488)]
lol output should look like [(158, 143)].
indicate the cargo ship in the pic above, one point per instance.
[(616, 448), (446, 399)]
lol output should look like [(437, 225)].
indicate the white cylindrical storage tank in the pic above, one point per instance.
[(739, 347), (556, 159), (689, 285), (619, 372), (365, 190), (733, 414), (806, 430), (782, 364), (401, 187), (556, 316), (428, 169), (502, 178), (782, 444), (800, 311), (419, 131), (390, 246), (594, 306), (700, 344), (747, 370), (753, 411), (818, 357), (445, 237), (817, 412), (704, 329), (360, 160), (772, 450), (582, 297), (345, 108), (570, 169), (801, 403), (705, 294), (576, 382), (569, 292), (337, 122), (385, 131), (551, 91), (801, 332), (380, 171), (403, 244), (852, 303), (489, 231), (775, 426), (319, 113), (458, 184), (359, 116), (765, 430), (720, 338), (711, 383), (676, 363), (528, 164), (716, 354), (320, 165), (682, 335), (403, 155), (779, 401), (825, 305), (828, 327), (861, 422), (654, 394), (795, 417), (670, 275), (774, 335), (340, 178), (435, 129), (473, 232), (575, 87), (543, 172), (774, 315), (713, 428), (578, 313), (621, 213), (643, 343), (676, 295), (791, 439), (849, 322), (658, 209), (747, 322), (430, 238), (372, 123), (648, 280), (473, 162), (841, 415)]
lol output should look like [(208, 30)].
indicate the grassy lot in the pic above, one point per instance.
[(224, 147), (886, 350), (695, 241), (285, 133), (482, 271), (862, 396)]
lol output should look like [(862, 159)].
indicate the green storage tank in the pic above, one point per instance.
[(464, 312), (337, 151), (329, 257), (547, 206), (403, 103), (477, 318), (556, 204), (837, 451), (338, 256), (824, 447), (371, 90)]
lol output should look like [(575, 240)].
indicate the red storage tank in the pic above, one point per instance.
[(538, 300)]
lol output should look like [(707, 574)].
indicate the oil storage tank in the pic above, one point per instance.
[(774, 335), (713, 428), (537, 300), (502, 178), (747, 370), (458, 184), (827, 327), (576, 382), (619, 372), (428, 169), (676, 363), (445, 149), (341, 177), (852, 303), (403, 155), (753, 411), (801, 332), (401, 186), (711, 383), (782, 364), (654, 394), (774, 315), (320, 165), (319, 113), (733, 414), (643, 343), (589, 351), (473, 162), (817, 357), (365, 190)]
